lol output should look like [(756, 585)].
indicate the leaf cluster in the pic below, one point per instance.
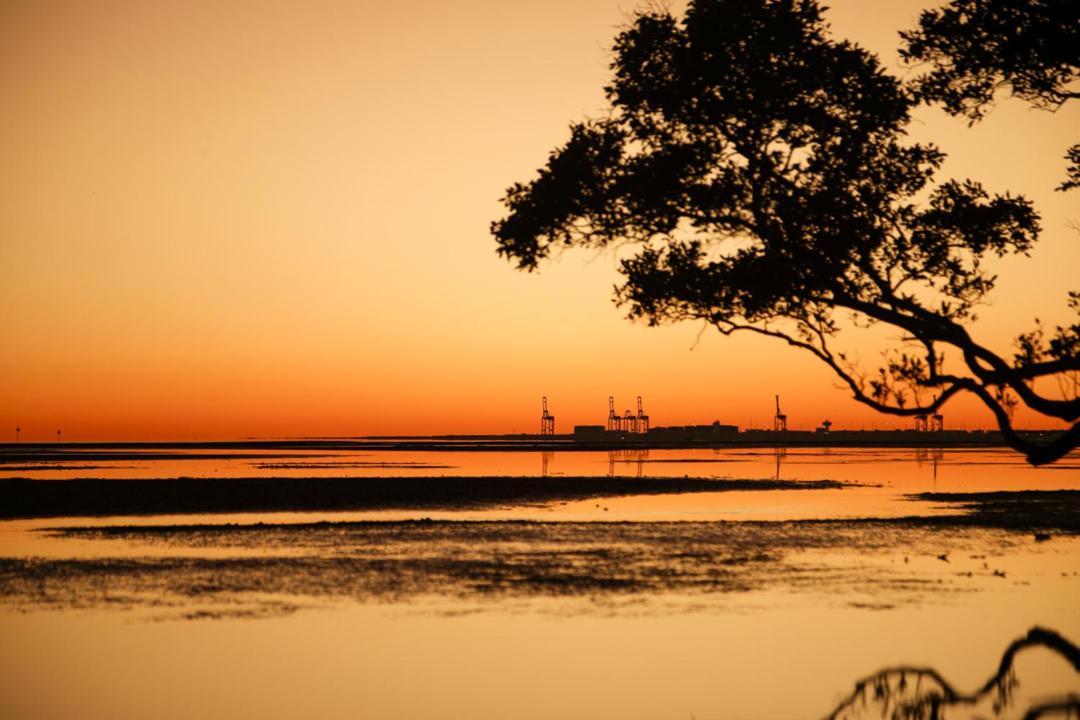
[(977, 47)]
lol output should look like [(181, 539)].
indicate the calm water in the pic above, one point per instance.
[(881, 478), (631, 607)]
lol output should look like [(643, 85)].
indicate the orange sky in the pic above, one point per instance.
[(229, 219)]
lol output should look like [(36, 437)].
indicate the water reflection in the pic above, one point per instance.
[(635, 456), (780, 453), (933, 457), (917, 692)]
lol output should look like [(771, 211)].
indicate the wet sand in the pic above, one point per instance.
[(207, 570), (364, 614)]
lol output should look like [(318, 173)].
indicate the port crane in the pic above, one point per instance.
[(642, 418), (547, 420), (930, 423), (937, 420), (779, 423)]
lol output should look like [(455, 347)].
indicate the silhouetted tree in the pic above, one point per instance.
[(760, 169), (921, 692), (977, 47), (1031, 47)]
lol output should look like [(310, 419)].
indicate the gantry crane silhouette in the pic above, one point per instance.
[(930, 423), (937, 420), (642, 418), (627, 422), (779, 422), (547, 420)]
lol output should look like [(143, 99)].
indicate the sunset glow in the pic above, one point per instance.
[(226, 220), (560, 359)]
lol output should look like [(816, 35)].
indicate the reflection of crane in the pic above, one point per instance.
[(779, 423), (780, 453), (933, 455), (547, 421), (638, 456), (545, 460), (612, 418), (642, 418)]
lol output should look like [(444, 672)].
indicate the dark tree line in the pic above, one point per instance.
[(762, 172)]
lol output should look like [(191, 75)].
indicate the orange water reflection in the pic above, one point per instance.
[(946, 467), (882, 479), (791, 643)]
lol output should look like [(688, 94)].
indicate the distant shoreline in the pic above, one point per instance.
[(10, 452)]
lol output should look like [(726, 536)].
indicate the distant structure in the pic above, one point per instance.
[(628, 422), (613, 420), (57, 437), (642, 418), (779, 423), (17, 431), (547, 420), (590, 433), (930, 423), (825, 426)]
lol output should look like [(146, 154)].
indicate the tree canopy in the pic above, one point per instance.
[(761, 171), (977, 47)]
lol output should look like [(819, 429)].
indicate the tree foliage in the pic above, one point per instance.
[(977, 47), (760, 169)]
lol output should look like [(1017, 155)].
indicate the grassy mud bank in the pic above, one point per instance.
[(24, 498)]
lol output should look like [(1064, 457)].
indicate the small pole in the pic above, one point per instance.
[(17, 431), (57, 437)]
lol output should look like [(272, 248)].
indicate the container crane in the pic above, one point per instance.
[(937, 420), (547, 420), (779, 423), (642, 418)]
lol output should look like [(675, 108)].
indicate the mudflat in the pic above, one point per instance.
[(25, 498)]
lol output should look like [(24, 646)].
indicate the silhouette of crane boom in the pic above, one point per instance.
[(779, 419), (642, 418), (547, 420)]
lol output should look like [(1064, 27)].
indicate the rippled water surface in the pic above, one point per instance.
[(740, 603)]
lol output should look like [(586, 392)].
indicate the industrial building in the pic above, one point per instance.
[(635, 428)]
